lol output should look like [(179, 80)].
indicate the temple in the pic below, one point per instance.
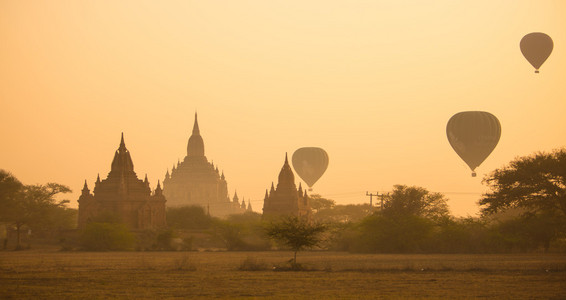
[(195, 181), (286, 199), (122, 197)]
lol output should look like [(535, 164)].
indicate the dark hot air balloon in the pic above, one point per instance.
[(536, 47), (473, 135), (310, 163)]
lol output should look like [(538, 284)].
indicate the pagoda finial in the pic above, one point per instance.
[(286, 160), (85, 190), (122, 144), (98, 178), (195, 126), (158, 190)]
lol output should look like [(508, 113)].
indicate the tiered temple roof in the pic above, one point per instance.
[(123, 197)]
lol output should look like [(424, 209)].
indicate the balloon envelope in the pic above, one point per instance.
[(536, 47), (473, 135), (310, 163)]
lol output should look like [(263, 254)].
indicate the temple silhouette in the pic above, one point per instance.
[(195, 181), (286, 199), (123, 197)]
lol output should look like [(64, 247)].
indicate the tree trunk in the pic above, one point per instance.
[(18, 239)]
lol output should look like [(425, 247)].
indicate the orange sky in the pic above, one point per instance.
[(372, 82)]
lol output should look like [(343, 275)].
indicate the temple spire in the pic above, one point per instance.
[(286, 176), (196, 130), (235, 199), (195, 147), (122, 161), (122, 144), (158, 189)]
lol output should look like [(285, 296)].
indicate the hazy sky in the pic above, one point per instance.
[(372, 82)]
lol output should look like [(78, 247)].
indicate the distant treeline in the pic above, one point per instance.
[(524, 212)]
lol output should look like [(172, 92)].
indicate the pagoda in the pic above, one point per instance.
[(286, 199), (195, 181), (122, 197)]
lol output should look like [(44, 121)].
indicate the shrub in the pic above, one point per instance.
[(253, 264), (107, 236)]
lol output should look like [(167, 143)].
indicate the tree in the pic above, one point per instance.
[(415, 201), (405, 224), (188, 217), (536, 183), (317, 202), (297, 233), (381, 233), (31, 205), (10, 190), (243, 232)]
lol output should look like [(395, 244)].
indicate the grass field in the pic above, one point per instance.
[(161, 275)]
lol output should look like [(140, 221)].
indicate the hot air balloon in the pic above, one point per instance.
[(310, 163), (536, 47), (473, 135)]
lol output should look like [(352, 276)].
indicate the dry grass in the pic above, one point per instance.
[(150, 275)]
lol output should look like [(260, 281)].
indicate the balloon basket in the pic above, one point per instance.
[(536, 71), (310, 189), (474, 174)]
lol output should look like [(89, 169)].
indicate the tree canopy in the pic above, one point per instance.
[(536, 183), (317, 202), (415, 201), (296, 233), (10, 190), (27, 204)]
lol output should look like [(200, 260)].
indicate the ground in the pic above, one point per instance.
[(161, 275)]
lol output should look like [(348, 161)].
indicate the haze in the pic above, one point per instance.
[(372, 82)]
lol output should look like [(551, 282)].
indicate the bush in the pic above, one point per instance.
[(188, 217), (377, 233), (106, 237), (243, 232), (253, 264)]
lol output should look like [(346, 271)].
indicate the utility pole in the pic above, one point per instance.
[(371, 199), (377, 195)]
